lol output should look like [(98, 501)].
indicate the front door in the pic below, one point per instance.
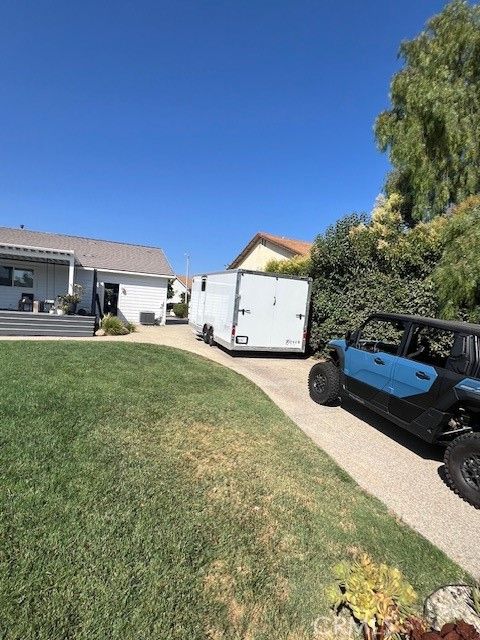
[(110, 298), (370, 361)]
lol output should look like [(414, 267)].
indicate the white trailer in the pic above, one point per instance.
[(251, 310)]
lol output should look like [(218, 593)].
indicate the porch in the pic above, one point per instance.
[(21, 323), (31, 281)]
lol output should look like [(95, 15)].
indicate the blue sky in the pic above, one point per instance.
[(191, 125)]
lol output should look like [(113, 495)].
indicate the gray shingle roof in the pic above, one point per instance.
[(98, 254)]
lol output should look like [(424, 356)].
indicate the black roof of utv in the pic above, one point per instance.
[(448, 325)]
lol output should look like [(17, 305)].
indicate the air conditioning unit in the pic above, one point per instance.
[(147, 317)]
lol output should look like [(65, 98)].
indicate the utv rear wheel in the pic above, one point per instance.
[(462, 467), (324, 382)]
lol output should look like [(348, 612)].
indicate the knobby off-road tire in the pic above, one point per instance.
[(324, 382), (462, 467)]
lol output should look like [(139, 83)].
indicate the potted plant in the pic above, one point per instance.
[(69, 301)]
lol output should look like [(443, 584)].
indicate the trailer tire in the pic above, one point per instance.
[(324, 383), (462, 467)]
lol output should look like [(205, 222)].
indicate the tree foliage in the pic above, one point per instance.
[(457, 275), (361, 266), (432, 130)]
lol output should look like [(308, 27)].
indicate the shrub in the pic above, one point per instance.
[(296, 266), (377, 596), (131, 327), (361, 266), (113, 326), (180, 309)]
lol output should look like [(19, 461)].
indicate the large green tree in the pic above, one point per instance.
[(432, 131)]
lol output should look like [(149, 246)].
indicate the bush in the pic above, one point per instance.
[(362, 266), (113, 326), (296, 266), (377, 596), (180, 309), (131, 327)]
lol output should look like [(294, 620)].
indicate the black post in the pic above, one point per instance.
[(94, 293)]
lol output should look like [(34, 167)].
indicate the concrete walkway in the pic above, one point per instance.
[(402, 471)]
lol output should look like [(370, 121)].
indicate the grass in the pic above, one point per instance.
[(148, 493)]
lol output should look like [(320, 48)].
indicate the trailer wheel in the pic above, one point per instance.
[(324, 382), (462, 467), (210, 340)]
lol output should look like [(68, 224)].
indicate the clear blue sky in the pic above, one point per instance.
[(192, 124)]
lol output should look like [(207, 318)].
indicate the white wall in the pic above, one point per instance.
[(49, 281), (261, 254), (178, 289), (136, 293)]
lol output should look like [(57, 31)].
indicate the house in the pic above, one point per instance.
[(264, 247), (116, 277), (179, 286)]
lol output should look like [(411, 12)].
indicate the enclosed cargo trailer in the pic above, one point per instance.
[(251, 310)]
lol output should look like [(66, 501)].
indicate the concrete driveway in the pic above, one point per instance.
[(402, 471), (405, 473)]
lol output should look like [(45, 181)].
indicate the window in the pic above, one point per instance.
[(204, 284), (430, 345), (5, 276), (381, 335), (23, 278)]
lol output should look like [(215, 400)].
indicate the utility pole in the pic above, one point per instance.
[(187, 256)]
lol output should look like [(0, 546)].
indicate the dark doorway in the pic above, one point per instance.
[(110, 298)]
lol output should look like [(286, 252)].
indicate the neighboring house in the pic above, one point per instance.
[(179, 286), (264, 247), (128, 278)]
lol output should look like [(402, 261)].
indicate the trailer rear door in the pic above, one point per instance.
[(255, 310), (289, 311)]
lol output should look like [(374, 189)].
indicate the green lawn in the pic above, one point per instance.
[(150, 494)]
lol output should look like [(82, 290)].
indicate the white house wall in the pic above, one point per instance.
[(136, 293), (178, 289), (49, 281)]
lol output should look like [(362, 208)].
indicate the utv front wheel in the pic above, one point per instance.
[(462, 467), (324, 383)]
